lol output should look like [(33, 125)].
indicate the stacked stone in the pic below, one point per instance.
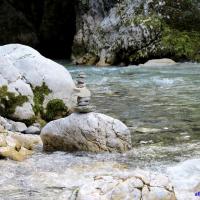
[(81, 80), (84, 97)]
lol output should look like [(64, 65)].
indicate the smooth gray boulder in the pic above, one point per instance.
[(92, 132), (30, 82)]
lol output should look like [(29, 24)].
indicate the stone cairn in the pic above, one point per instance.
[(84, 95)]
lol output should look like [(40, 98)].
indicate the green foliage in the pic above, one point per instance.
[(55, 108), (181, 44), (9, 101), (39, 95)]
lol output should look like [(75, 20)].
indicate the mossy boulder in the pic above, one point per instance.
[(32, 87)]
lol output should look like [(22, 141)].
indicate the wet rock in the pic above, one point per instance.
[(93, 132), (32, 130), (159, 62)]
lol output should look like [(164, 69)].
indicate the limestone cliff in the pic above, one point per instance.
[(104, 32), (130, 31)]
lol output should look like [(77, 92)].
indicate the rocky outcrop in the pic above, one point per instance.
[(32, 86), (115, 32), (93, 132)]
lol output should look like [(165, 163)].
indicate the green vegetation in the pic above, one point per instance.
[(150, 21), (181, 44), (55, 108), (9, 101), (39, 95)]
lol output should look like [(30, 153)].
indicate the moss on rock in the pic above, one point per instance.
[(9, 101), (55, 109), (39, 95)]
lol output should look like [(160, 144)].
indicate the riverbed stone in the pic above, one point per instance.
[(93, 132)]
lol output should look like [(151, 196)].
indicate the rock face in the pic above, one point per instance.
[(33, 86), (106, 32), (111, 31), (127, 31), (86, 132)]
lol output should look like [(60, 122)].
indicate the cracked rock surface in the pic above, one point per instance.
[(92, 132)]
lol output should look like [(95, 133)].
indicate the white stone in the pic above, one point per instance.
[(23, 68), (18, 126), (159, 62), (86, 132)]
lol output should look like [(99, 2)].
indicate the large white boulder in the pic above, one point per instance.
[(26, 73), (93, 132)]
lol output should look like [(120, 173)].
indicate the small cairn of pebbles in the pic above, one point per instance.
[(84, 95)]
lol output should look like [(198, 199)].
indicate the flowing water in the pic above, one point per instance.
[(161, 107)]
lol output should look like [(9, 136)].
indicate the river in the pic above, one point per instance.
[(161, 107)]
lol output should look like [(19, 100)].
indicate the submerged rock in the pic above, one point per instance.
[(32, 85), (93, 132)]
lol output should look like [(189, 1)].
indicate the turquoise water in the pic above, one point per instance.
[(165, 98)]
